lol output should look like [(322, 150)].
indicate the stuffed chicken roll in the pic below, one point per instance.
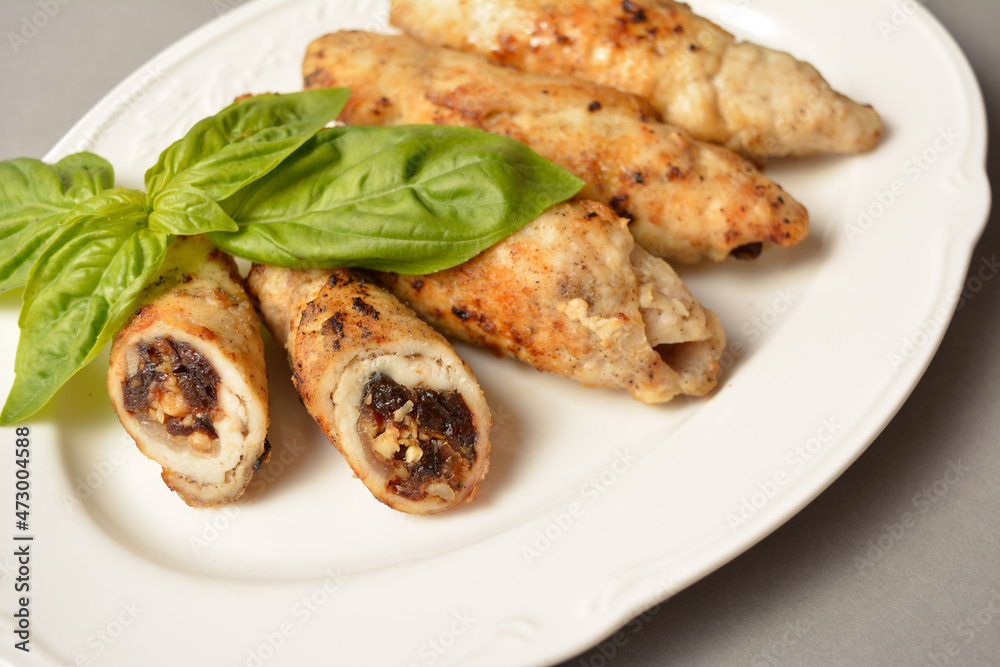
[(753, 99), (571, 294), (387, 390), (687, 200), (187, 376)]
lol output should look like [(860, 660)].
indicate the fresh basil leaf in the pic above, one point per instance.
[(83, 175), (411, 199), (80, 292), (34, 197), (186, 211), (243, 142), (119, 205)]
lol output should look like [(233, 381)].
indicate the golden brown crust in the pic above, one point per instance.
[(755, 100), (198, 301), (569, 295), (687, 200), (339, 332)]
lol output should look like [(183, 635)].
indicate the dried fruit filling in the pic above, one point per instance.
[(427, 436), (174, 385)]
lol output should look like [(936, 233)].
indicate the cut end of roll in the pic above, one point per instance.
[(386, 389), (187, 380), (208, 440), (422, 441), (687, 336)]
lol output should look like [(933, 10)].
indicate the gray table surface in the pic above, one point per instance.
[(829, 587)]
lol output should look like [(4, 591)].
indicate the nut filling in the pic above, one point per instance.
[(174, 385), (428, 437)]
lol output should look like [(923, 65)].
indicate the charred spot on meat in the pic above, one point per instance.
[(748, 251)]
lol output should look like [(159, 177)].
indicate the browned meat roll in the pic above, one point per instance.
[(572, 294), (187, 376), (387, 390), (750, 98), (686, 199)]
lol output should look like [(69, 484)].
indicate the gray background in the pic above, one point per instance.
[(821, 589)]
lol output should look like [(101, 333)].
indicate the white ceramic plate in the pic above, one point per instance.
[(596, 507)]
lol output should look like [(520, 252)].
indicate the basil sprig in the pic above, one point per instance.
[(87, 249), (266, 182)]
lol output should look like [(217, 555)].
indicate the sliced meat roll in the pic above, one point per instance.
[(572, 294), (687, 200), (387, 390), (750, 98), (187, 376)]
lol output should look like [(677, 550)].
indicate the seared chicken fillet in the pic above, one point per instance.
[(750, 98), (187, 376), (571, 294), (687, 200), (387, 390)]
